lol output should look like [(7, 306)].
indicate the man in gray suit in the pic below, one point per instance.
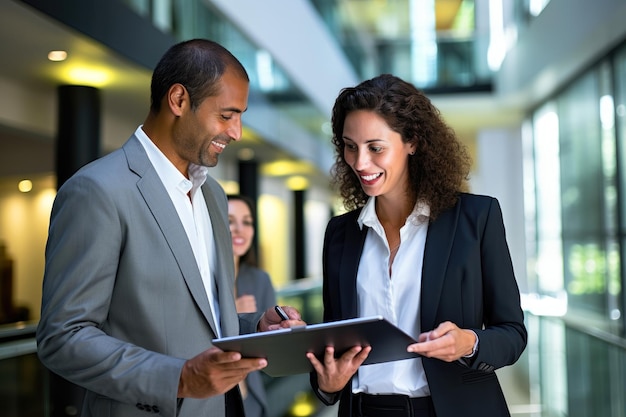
[(139, 263)]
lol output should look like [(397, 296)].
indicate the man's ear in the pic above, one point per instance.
[(177, 99)]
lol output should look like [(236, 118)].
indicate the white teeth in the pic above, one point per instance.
[(221, 145), (370, 177)]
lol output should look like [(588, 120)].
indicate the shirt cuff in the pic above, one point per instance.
[(475, 348)]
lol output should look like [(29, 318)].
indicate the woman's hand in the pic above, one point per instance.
[(447, 342), (333, 374)]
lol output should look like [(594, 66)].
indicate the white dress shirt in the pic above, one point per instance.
[(187, 197), (395, 297)]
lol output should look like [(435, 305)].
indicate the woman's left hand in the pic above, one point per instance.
[(447, 342), (333, 374)]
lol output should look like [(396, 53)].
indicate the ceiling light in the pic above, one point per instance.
[(286, 167), (57, 56), (297, 183), (25, 186), (89, 75)]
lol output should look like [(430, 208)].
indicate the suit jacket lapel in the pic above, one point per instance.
[(224, 273), (353, 247), (164, 212), (436, 255)]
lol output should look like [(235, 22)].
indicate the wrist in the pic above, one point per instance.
[(474, 347)]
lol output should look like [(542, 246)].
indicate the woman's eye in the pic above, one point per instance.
[(376, 149)]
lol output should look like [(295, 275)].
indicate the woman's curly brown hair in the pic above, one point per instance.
[(439, 168)]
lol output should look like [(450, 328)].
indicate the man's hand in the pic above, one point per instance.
[(214, 372), (272, 321)]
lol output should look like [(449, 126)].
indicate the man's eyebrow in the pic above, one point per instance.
[(234, 109)]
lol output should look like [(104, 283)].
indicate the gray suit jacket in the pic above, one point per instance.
[(123, 302)]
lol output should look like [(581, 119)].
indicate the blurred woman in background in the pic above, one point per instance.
[(253, 290)]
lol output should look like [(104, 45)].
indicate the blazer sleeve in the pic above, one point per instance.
[(503, 335), (342, 234)]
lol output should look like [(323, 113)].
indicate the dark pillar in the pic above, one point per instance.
[(300, 234), (249, 179), (78, 135), (249, 186), (78, 142)]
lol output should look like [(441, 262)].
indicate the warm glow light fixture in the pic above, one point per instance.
[(286, 167), (230, 187), (86, 75), (57, 56), (297, 183), (25, 186)]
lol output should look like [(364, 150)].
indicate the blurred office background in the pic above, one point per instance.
[(535, 88)]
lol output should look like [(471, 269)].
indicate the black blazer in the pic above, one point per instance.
[(467, 278)]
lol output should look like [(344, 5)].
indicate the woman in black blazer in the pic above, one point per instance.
[(418, 250)]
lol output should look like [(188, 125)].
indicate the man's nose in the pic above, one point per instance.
[(234, 130)]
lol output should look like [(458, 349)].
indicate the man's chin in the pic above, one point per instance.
[(210, 162)]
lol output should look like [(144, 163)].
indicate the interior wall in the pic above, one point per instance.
[(499, 173), (24, 220)]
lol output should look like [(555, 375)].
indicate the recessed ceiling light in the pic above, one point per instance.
[(57, 56), (25, 186)]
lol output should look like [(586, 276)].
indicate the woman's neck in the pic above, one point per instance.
[(392, 212)]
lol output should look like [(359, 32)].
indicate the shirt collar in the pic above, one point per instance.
[(171, 177), (368, 216)]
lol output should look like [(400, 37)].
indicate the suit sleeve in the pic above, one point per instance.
[(83, 250)]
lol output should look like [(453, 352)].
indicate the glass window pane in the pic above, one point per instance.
[(620, 129), (549, 265), (582, 195)]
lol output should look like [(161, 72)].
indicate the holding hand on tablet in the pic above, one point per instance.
[(334, 373), (213, 372), (447, 342)]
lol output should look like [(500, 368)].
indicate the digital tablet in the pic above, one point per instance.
[(285, 349)]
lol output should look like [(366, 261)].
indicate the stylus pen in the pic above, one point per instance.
[(281, 313)]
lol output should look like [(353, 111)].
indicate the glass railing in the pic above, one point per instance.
[(575, 370), (23, 380)]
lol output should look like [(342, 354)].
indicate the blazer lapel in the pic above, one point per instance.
[(164, 212), (353, 247), (436, 254)]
